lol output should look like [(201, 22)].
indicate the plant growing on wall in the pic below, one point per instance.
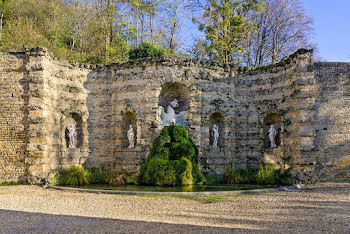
[(145, 50), (173, 160)]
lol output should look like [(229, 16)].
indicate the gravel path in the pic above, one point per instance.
[(321, 208)]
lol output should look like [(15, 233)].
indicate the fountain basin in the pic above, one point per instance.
[(195, 190)]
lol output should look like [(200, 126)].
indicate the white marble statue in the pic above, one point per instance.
[(272, 135), (215, 136), (170, 117), (72, 134), (131, 137)]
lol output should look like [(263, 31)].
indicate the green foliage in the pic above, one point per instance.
[(240, 176), (186, 176), (225, 24), (11, 183), (265, 175), (74, 176), (99, 176), (118, 178), (173, 160), (145, 50)]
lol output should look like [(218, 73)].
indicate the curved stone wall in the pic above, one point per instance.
[(306, 102)]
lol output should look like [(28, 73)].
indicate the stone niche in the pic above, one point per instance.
[(76, 121), (215, 161), (129, 159), (218, 119), (129, 118), (170, 91), (275, 119), (273, 156), (76, 155)]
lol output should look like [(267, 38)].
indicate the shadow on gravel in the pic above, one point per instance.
[(27, 222)]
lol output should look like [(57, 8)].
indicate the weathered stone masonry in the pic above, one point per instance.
[(40, 97)]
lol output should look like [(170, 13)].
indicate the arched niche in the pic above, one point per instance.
[(170, 91), (276, 120), (75, 120), (129, 118), (218, 119)]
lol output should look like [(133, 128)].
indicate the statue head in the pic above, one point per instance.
[(272, 126), (174, 103), (130, 126)]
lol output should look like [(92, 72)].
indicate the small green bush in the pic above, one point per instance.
[(265, 175), (240, 176), (11, 183), (99, 176), (173, 160), (118, 178), (145, 50), (74, 176)]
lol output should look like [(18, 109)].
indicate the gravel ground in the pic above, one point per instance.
[(321, 208)]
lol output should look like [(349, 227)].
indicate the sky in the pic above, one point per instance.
[(332, 28)]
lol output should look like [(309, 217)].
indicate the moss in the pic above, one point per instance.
[(173, 160)]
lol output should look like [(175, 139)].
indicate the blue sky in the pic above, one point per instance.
[(332, 28)]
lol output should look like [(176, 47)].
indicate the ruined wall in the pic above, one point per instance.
[(13, 137), (283, 95), (333, 120)]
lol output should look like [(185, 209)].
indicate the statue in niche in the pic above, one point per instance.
[(215, 136), (170, 117), (272, 135), (131, 137), (72, 134)]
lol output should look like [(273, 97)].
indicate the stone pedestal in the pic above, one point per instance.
[(73, 157), (275, 157), (129, 160), (215, 161)]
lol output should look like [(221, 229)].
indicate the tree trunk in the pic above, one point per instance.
[(1, 18)]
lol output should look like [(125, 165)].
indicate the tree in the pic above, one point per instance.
[(173, 18), (225, 23), (3, 7), (283, 28)]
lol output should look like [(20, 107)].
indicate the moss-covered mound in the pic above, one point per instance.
[(173, 160)]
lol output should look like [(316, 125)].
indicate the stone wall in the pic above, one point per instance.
[(41, 98), (333, 120), (131, 93), (283, 95), (13, 123)]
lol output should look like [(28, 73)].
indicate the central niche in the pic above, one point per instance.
[(173, 102)]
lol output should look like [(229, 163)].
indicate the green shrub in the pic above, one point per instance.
[(74, 176), (132, 180), (145, 50), (266, 175), (240, 176), (118, 178), (99, 176), (11, 183), (173, 160)]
